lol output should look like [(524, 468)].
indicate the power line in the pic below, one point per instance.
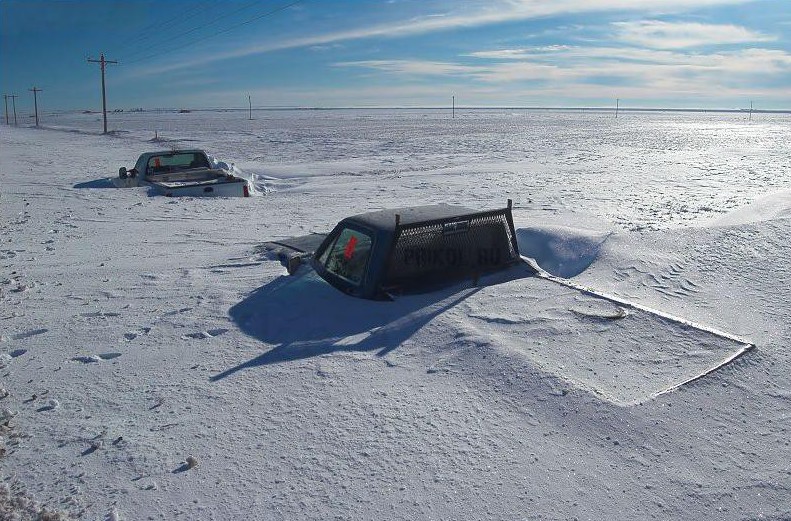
[(190, 31), (35, 90), (13, 100), (102, 64), (162, 28), (194, 11), (179, 35), (231, 28)]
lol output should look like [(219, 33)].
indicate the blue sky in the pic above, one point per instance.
[(329, 53)]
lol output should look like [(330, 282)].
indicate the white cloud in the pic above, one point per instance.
[(566, 93), (769, 61), (667, 73), (489, 13), (519, 54), (509, 72), (678, 35), (326, 47), (415, 67)]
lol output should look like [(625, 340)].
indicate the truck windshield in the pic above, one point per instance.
[(175, 162), (348, 256)]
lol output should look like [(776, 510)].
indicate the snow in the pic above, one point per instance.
[(561, 250), (767, 207), (159, 365)]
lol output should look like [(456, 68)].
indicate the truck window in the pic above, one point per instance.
[(175, 162), (347, 258), (199, 161)]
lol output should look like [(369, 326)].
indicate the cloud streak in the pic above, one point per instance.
[(662, 72), (666, 35), (488, 14)]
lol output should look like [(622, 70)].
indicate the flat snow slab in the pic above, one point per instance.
[(624, 355)]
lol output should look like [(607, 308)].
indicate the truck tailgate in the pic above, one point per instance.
[(221, 187)]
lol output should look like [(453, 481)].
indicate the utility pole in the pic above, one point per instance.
[(249, 102), (5, 99), (102, 64), (751, 110), (453, 102), (617, 102), (13, 100), (35, 90)]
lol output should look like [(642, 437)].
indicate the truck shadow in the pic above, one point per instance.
[(303, 317), (96, 183)]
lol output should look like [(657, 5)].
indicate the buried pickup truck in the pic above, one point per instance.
[(378, 254), (182, 172)]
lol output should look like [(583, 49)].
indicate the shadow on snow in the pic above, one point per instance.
[(96, 183), (303, 317)]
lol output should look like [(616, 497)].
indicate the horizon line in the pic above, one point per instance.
[(429, 107)]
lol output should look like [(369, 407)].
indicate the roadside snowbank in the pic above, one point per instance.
[(257, 185)]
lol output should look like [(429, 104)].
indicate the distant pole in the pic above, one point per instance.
[(102, 64), (453, 102), (250, 103), (5, 99), (13, 100), (35, 91), (617, 102), (751, 110)]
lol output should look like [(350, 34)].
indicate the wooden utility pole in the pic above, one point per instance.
[(35, 91), (13, 101), (617, 102), (5, 99), (751, 110), (453, 103), (250, 103), (102, 65)]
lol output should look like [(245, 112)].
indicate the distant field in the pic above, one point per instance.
[(652, 170)]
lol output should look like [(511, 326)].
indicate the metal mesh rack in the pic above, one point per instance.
[(450, 248)]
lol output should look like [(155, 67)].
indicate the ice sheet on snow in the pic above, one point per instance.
[(625, 356)]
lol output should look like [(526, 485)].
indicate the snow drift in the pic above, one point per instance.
[(561, 250), (767, 207)]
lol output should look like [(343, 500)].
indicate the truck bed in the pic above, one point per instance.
[(199, 182)]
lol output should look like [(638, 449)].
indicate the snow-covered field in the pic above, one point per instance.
[(156, 365)]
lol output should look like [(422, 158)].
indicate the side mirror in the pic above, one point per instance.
[(122, 172)]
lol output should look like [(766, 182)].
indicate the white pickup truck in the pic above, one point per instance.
[(182, 172)]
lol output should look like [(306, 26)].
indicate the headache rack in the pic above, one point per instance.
[(451, 248)]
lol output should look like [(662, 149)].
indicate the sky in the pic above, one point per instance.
[(710, 54)]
